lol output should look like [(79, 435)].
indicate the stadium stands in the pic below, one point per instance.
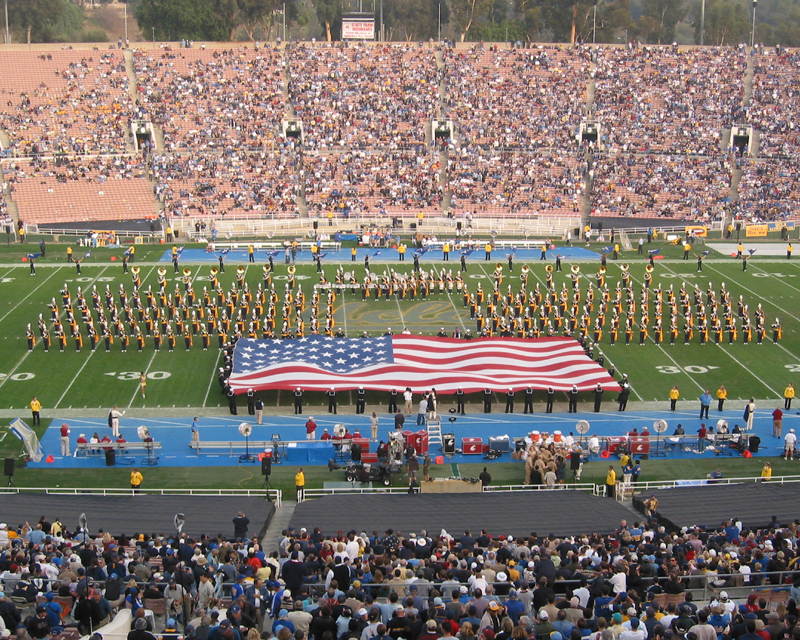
[(366, 112)]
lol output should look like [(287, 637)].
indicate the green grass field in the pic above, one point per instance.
[(187, 379)]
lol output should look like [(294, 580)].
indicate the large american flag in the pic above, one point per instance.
[(395, 362)]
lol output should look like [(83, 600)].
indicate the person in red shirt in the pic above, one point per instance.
[(701, 437), (65, 439), (311, 429), (325, 435), (777, 423), (105, 440)]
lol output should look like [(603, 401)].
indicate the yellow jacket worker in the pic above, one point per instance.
[(36, 407), (300, 483), (136, 479), (722, 395), (788, 395), (674, 394)]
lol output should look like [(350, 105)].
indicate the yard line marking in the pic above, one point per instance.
[(736, 360), (213, 375), (85, 362), (781, 280), (16, 306), (649, 337), (455, 307), (149, 364), (794, 356), (757, 296), (344, 304)]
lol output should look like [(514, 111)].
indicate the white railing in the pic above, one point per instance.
[(703, 482), (587, 487), (273, 495), (309, 494)]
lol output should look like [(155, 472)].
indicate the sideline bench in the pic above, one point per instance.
[(99, 449)]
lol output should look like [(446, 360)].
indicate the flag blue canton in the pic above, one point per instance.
[(335, 355)]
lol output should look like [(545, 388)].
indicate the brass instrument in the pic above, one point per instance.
[(575, 269), (161, 271), (240, 271), (292, 269), (625, 266), (214, 272), (649, 268), (135, 270), (187, 272), (549, 268)]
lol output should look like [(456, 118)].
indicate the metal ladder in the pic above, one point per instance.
[(434, 431)]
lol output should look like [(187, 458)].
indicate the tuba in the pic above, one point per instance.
[(161, 271), (240, 272), (575, 269), (625, 266), (135, 270), (187, 272), (549, 268), (649, 268), (214, 272), (602, 271), (525, 269), (292, 269)]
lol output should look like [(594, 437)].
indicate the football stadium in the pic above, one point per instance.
[(349, 340)]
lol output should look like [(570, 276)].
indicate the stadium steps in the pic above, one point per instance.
[(5, 140), (749, 75), (280, 521)]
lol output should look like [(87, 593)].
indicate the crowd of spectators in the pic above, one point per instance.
[(65, 102), (357, 183), (363, 97), (768, 189), (495, 182), (684, 187), (414, 586), (212, 100), (667, 100), (366, 113), (774, 105)]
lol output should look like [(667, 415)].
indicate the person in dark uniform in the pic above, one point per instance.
[(332, 400), (573, 399), (558, 263), (221, 258), (487, 400), (361, 400), (510, 401), (251, 402), (416, 262), (623, 395), (298, 401), (528, 400), (393, 401), (124, 262), (598, 397), (232, 402), (551, 396), (463, 262), (485, 478), (460, 401)]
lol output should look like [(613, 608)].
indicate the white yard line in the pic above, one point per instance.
[(757, 296), (781, 280), (77, 375), (34, 290), (213, 377)]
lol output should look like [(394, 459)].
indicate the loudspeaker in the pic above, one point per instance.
[(316, 224), (9, 467), (738, 226), (458, 225), (266, 466), (355, 452), (449, 443)]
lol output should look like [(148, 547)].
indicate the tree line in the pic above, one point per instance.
[(726, 22)]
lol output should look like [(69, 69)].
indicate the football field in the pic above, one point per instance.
[(187, 379)]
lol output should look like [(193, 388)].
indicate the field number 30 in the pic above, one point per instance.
[(691, 369)]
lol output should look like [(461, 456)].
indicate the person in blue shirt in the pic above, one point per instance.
[(514, 608), (705, 404)]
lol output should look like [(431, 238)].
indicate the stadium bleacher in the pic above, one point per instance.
[(366, 111)]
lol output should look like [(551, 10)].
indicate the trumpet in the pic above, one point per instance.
[(214, 272), (162, 271), (575, 269), (649, 268), (135, 270), (240, 271), (549, 268), (187, 271), (292, 269)]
